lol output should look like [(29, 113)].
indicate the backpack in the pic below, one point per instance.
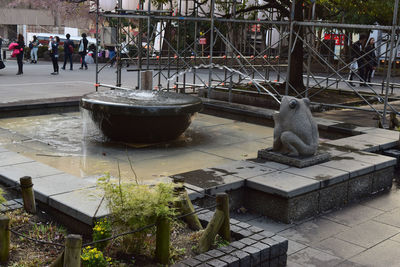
[(71, 48), (30, 45)]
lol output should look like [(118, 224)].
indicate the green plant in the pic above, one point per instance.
[(101, 230), (91, 257), (47, 232), (134, 206), (2, 199)]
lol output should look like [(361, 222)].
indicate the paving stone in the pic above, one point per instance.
[(338, 247), (333, 197), (385, 201), (227, 249), (12, 158), (244, 225), (244, 258), (245, 233), (235, 228), (255, 255), (294, 246), (255, 229), (179, 264), (382, 180), (273, 165), (232, 261), (33, 169), (81, 204), (242, 169), (257, 237), (203, 257), (269, 225), (233, 221), (237, 244), (191, 262), (264, 251), (313, 257), (353, 144), (282, 260), (274, 262), (396, 238), (368, 234), (383, 254), (205, 216), (349, 164), (215, 253), (283, 184), (248, 241), (374, 140), (313, 231), (380, 161), (334, 151), (266, 234), (58, 184), (327, 176), (353, 214), (391, 218), (383, 133)]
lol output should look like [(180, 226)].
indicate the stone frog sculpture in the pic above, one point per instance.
[(295, 132)]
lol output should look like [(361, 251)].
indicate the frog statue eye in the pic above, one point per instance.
[(293, 103)]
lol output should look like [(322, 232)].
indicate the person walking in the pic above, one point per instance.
[(357, 52), (68, 51), (83, 43), (20, 56), (34, 46), (54, 54), (371, 59), (1, 43)]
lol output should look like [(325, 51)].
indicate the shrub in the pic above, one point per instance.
[(134, 206)]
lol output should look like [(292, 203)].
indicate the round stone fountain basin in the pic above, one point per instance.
[(141, 116)]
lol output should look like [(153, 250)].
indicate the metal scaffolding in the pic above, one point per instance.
[(194, 48)]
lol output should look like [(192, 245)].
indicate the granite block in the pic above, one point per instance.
[(382, 179), (255, 229), (203, 257), (191, 262), (237, 244), (242, 169), (379, 161), (360, 187), (255, 255), (245, 233), (282, 261), (257, 237), (274, 247), (264, 251), (215, 253), (283, 244), (350, 164), (333, 196), (227, 249), (244, 258), (232, 261), (217, 263), (248, 241)]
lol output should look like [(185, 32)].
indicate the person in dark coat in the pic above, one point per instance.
[(1, 43), (20, 56), (357, 52), (54, 54), (371, 59), (83, 43), (68, 51)]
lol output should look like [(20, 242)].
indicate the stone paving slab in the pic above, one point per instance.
[(349, 164), (12, 173), (354, 145), (394, 135), (283, 184), (383, 254), (327, 176), (81, 204), (243, 169), (379, 161), (338, 247), (12, 158), (374, 140), (48, 186)]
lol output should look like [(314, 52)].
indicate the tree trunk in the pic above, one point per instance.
[(296, 64)]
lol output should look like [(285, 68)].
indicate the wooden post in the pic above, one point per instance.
[(185, 206), (223, 204), (163, 241), (72, 254), (28, 195), (4, 238), (208, 236), (59, 261)]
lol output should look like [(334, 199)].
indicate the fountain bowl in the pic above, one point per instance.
[(141, 116)]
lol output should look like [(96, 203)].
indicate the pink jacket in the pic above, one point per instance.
[(15, 51)]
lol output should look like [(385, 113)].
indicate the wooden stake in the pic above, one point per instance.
[(4, 238), (72, 254), (163, 241), (28, 195), (208, 236), (223, 204), (59, 261)]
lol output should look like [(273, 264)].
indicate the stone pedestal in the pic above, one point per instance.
[(146, 80), (299, 162)]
